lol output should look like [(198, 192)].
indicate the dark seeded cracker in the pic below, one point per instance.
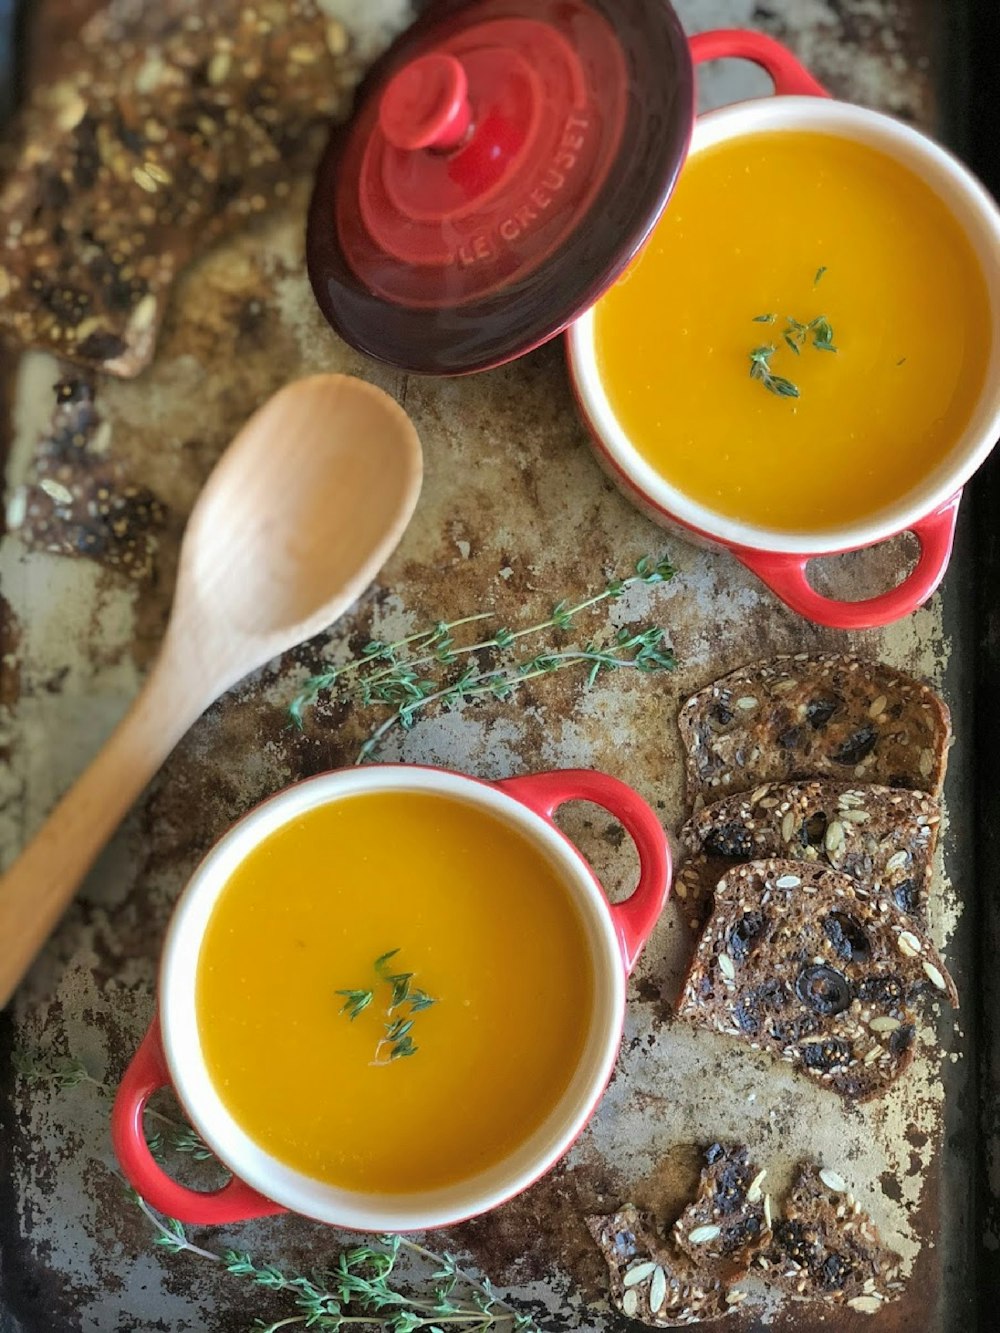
[(727, 1223), (882, 837), (797, 960), (182, 120), (799, 717), (670, 1292), (84, 503), (825, 1248)]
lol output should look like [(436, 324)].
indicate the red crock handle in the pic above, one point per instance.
[(634, 919), (234, 1202), (785, 575), (787, 74)]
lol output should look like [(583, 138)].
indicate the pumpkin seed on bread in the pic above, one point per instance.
[(799, 717), (729, 1220), (883, 837), (826, 1248), (798, 960), (651, 1280)]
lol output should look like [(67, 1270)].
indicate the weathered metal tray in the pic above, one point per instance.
[(515, 516)]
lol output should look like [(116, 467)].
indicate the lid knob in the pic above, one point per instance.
[(427, 105)]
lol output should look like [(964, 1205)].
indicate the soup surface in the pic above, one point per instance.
[(491, 936), (835, 245)]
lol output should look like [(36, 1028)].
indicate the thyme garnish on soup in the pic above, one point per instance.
[(817, 333), (396, 1043)]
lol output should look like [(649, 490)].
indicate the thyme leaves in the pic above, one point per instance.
[(434, 669), (396, 1042), (796, 335)]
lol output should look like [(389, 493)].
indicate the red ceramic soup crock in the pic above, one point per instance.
[(928, 508), (171, 1053)]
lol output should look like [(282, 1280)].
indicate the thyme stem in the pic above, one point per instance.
[(360, 1275), (176, 1240), (419, 638), (508, 639), (392, 673), (324, 1308), (69, 1073), (488, 682)]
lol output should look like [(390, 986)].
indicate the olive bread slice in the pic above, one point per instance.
[(800, 717), (798, 960), (883, 837)]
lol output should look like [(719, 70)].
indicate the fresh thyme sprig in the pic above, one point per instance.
[(426, 668), (646, 651), (795, 336), (760, 369), (398, 981), (61, 1072), (397, 1030), (356, 1002), (361, 1288)]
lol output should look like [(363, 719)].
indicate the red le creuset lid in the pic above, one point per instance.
[(506, 161)]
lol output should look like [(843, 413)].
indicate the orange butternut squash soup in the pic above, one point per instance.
[(805, 336), (393, 992)]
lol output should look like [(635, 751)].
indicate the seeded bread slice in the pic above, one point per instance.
[(797, 960), (883, 837), (796, 718), (827, 1249), (650, 1279), (182, 121), (729, 1220)]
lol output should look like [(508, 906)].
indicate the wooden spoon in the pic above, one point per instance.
[(296, 520)]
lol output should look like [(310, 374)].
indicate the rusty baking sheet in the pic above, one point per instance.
[(515, 515)]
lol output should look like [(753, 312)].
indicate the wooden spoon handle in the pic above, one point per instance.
[(39, 885)]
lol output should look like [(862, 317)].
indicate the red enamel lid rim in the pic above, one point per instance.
[(506, 161)]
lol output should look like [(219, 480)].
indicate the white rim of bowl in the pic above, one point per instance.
[(293, 1189), (976, 212)]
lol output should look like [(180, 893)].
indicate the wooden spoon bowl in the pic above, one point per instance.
[(299, 515)]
